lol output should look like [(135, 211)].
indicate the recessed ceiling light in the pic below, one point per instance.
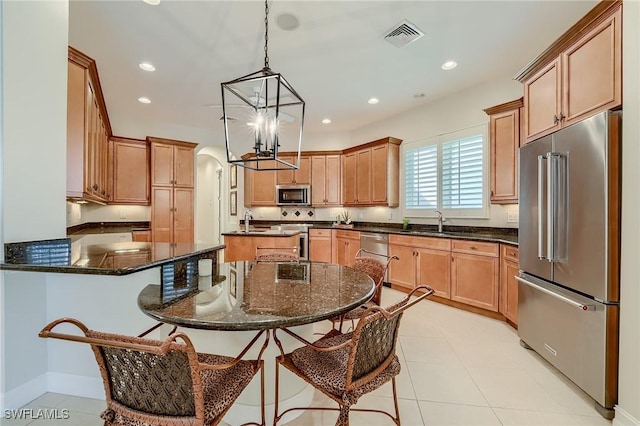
[(152, 2), (449, 65), (147, 66), (287, 21), (373, 101), (144, 100), (326, 121), (419, 95)]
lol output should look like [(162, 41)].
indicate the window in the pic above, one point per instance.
[(447, 173)]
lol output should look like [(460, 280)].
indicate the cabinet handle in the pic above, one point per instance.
[(95, 186), (561, 117), (473, 248), (555, 119)]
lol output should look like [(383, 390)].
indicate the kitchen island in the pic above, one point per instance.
[(241, 245)]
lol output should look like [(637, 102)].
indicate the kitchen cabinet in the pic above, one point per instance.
[(243, 247), (325, 180), (320, 245), (509, 268), (475, 273), (130, 165), (260, 186), (504, 141), (347, 244), (422, 260), (141, 235), (172, 182), (88, 132), (577, 76), (371, 174), (301, 176)]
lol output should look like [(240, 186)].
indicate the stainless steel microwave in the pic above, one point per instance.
[(293, 195)]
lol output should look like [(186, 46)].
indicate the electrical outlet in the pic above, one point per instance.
[(512, 217), (390, 216), (122, 214)]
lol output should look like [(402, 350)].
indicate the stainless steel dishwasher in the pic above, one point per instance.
[(377, 243)]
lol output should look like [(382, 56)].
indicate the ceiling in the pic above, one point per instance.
[(336, 59)]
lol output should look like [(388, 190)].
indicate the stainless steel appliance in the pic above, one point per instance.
[(303, 236), (376, 243), (293, 195), (569, 244)]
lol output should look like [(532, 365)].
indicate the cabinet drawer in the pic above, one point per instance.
[(319, 233), (475, 247), (349, 235), (510, 253), (421, 242)]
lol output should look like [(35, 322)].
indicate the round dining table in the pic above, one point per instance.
[(221, 313)]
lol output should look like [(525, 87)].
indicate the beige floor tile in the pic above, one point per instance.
[(435, 350), (49, 399), (75, 419), (567, 394), (85, 405), (409, 412), (439, 414), (444, 383), (14, 420), (540, 418)]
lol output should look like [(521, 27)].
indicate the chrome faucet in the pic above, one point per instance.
[(441, 219), (247, 219)]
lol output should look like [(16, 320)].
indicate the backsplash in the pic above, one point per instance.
[(78, 214)]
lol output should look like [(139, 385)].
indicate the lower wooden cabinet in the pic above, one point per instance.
[(172, 215), (243, 247), (347, 244), (509, 268), (141, 236), (320, 245), (475, 274), (434, 269)]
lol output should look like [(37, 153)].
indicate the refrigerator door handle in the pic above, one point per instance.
[(565, 299), (551, 205), (541, 192)]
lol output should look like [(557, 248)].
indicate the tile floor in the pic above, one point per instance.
[(458, 368)]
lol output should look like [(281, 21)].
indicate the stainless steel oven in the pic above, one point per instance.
[(303, 244)]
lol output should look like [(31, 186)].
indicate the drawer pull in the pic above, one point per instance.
[(473, 248)]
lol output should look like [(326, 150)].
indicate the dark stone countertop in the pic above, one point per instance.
[(121, 258), (106, 228), (496, 235), (261, 233), (258, 296)]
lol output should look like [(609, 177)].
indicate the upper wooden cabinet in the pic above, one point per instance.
[(578, 75), (130, 163), (172, 162), (370, 174), (325, 180), (260, 186), (301, 176), (88, 132), (504, 137)]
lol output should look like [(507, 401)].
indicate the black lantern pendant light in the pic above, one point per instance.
[(262, 115)]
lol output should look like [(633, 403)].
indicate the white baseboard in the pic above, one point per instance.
[(25, 393), (623, 418), (71, 384)]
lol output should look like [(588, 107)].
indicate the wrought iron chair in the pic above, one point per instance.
[(375, 268), (346, 366), (277, 254), (164, 382)]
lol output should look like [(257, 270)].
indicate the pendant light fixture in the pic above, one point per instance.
[(262, 116)]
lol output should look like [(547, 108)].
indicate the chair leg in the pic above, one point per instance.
[(395, 401), (343, 417), (264, 421), (275, 404)]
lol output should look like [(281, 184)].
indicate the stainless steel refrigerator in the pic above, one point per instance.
[(569, 239)]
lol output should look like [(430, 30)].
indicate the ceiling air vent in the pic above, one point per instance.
[(403, 34)]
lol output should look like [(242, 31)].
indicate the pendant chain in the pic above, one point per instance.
[(266, 34)]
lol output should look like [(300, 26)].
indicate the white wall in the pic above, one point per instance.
[(34, 97), (208, 212), (628, 410)]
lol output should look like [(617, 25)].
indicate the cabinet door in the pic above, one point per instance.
[(592, 72), (76, 84), (162, 214), (161, 164), (542, 102), (434, 270), (342, 253), (379, 178), (130, 173), (183, 215), (505, 140), (509, 290), (320, 248), (474, 280), (363, 177), (263, 188), (402, 272), (349, 178), (183, 166), (318, 180), (287, 176), (332, 175)]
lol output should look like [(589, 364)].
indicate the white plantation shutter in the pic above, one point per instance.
[(421, 178), (462, 173), (447, 173)]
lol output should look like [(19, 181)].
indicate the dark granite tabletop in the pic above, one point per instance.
[(66, 256), (258, 296)]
